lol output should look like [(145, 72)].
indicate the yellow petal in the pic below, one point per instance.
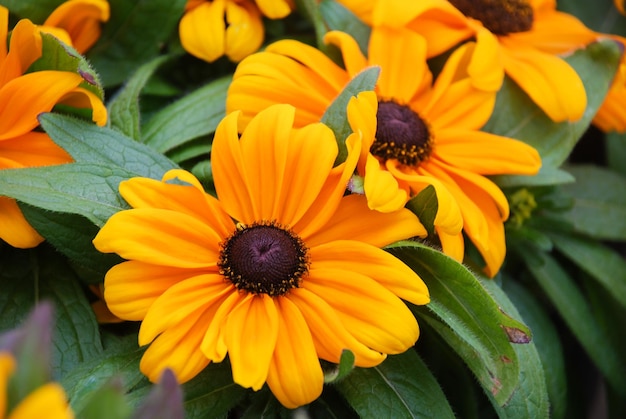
[(353, 59), (47, 401), (330, 335), (31, 150), (375, 263), (7, 363), (202, 30), (355, 221), (24, 49), (245, 31), (160, 237), (4, 23), (189, 199), (275, 9), (83, 98), (619, 4), (132, 287), (178, 348), (487, 154), (366, 308), (251, 337), (549, 81), (14, 229), (81, 19), (213, 344), (382, 190), (452, 245), (180, 300), (295, 375), (24, 98)]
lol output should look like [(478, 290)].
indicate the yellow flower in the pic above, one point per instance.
[(282, 270), (48, 401), (22, 98), (427, 133), (210, 29), (77, 22)]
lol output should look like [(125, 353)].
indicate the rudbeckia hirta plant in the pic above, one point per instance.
[(427, 133), (23, 96), (234, 28), (279, 271), (47, 401)]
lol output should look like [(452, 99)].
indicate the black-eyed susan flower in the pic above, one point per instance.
[(47, 401), (278, 272), (78, 22), (234, 28), (427, 133), (22, 98)]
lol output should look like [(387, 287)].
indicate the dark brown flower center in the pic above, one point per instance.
[(264, 258), (501, 17), (401, 134)]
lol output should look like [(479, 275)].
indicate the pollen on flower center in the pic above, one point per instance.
[(264, 258), (501, 17), (401, 134)]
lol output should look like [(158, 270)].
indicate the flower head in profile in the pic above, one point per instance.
[(279, 271), (211, 29), (48, 401), (78, 22), (424, 133), (22, 98)]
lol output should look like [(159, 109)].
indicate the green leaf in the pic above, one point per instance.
[(345, 366), (547, 176), (336, 115), (192, 116), (599, 15), (530, 398), (516, 116), (107, 402), (46, 276), (59, 56), (467, 317), (35, 10), (425, 206), (338, 17), (311, 10), (400, 387), (88, 143), (575, 311), (134, 34), (616, 152), (85, 189), (599, 208), (123, 109), (603, 264), (212, 393)]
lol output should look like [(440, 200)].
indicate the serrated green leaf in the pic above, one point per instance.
[(516, 116), (212, 393), (124, 107), (134, 34), (530, 398), (190, 117), (425, 206), (88, 143), (575, 311), (336, 115), (337, 17), (599, 202), (400, 387), (35, 10), (84, 189), (603, 264), (546, 340), (467, 317)]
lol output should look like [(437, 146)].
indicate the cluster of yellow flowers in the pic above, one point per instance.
[(284, 267)]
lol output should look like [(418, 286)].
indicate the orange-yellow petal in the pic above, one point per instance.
[(213, 344), (295, 375), (251, 337), (7, 367), (81, 19), (83, 98), (245, 31), (202, 30), (47, 401), (24, 49), (160, 237), (330, 335), (355, 221), (353, 295), (275, 9), (31, 150), (14, 229), (382, 190)]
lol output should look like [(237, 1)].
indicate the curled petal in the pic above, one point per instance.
[(14, 229), (81, 19)]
